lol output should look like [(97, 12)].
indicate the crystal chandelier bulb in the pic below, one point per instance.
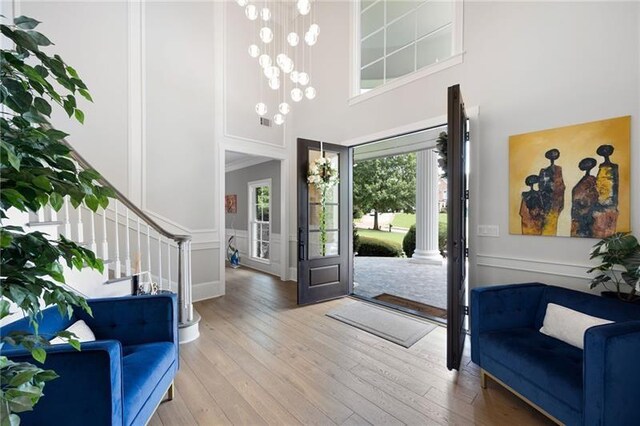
[(310, 38), (274, 83), (314, 29), (288, 66), (242, 3), (266, 35), (278, 119), (296, 94), (281, 59), (310, 92), (284, 108), (254, 51), (303, 78), (265, 14), (264, 60), (294, 76), (293, 39), (261, 108), (272, 72), (304, 7), (252, 12)]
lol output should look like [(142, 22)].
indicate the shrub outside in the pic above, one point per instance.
[(377, 248)]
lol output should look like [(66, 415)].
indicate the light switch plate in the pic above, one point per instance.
[(488, 231)]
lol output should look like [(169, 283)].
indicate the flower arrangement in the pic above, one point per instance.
[(324, 176)]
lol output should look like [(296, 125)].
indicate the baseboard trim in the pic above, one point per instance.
[(207, 290), (293, 274)]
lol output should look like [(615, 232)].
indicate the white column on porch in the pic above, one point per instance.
[(427, 208)]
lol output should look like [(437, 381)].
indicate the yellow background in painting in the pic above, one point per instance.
[(526, 157)]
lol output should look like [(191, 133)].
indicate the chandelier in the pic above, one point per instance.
[(285, 32)]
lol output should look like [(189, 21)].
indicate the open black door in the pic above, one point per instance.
[(324, 264), (457, 199)]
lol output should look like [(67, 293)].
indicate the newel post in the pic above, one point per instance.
[(185, 305)]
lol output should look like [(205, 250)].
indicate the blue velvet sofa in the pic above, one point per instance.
[(120, 378), (597, 386)]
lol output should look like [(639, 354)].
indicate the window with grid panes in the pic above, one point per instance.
[(398, 37), (260, 220)]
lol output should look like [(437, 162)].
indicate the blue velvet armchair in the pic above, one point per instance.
[(595, 386), (120, 378)]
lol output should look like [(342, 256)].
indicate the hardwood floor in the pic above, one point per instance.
[(263, 360)]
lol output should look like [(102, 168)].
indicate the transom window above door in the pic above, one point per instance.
[(397, 38)]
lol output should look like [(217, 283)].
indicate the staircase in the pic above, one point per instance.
[(129, 241)]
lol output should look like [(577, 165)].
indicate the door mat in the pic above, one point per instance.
[(423, 308), (392, 326)]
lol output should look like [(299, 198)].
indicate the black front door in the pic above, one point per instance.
[(457, 198), (324, 257)]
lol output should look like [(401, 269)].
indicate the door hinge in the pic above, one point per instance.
[(465, 310), (466, 251), (466, 194), (467, 136)]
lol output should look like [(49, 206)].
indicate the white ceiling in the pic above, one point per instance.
[(238, 160)]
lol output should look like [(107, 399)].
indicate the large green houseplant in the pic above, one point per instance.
[(37, 170), (619, 257)]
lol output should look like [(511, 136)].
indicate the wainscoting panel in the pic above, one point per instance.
[(242, 244)]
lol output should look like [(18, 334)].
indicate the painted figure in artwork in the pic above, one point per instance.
[(552, 189), (605, 216), (531, 208), (584, 201)]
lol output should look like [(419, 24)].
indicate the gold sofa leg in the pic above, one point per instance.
[(171, 391), (483, 379)]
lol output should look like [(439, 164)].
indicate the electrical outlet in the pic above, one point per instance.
[(488, 231)]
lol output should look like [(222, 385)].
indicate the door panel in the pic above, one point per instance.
[(324, 269), (457, 195)]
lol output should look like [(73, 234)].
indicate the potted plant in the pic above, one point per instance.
[(37, 170), (619, 257)]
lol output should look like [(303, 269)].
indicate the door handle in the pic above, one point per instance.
[(300, 245)]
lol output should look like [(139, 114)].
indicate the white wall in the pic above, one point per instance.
[(151, 130), (527, 66), (92, 37)]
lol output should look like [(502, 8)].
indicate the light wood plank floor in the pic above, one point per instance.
[(263, 360)]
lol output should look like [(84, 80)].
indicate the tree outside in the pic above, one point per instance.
[(385, 185)]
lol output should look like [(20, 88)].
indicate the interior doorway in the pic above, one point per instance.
[(400, 222), (254, 218)]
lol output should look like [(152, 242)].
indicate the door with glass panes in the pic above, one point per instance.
[(324, 222)]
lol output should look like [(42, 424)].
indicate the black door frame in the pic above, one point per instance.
[(457, 227), (345, 265)]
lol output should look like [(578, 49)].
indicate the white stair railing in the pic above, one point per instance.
[(127, 218)]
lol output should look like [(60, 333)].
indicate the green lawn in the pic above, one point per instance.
[(393, 237), (404, 220)]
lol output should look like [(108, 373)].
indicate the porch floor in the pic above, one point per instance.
[(401, 277)]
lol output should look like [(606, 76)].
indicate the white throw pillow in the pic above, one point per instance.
[(80, 329), (568, 325)]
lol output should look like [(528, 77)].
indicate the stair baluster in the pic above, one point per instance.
[(94, 245), (127, 259), (148, 249), (105, 242), (67, 221), (79, 226), (160, 261), (169, 265), (118, 265)]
